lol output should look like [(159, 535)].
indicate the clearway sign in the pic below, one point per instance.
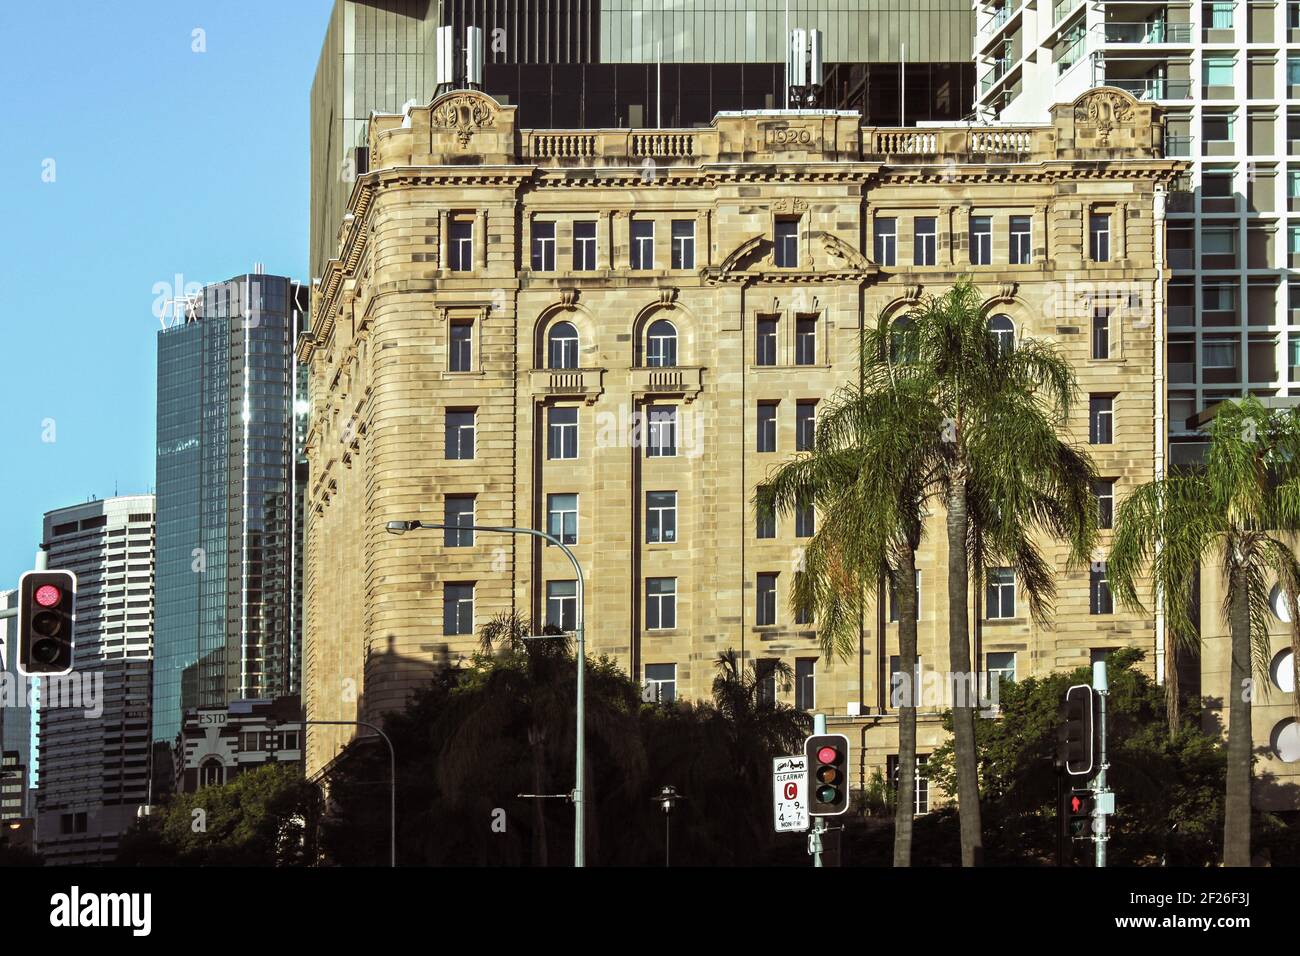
[(790, 793)]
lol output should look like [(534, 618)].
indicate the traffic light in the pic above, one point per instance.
[(1078, 814), (1076, 734), (47, 614), (828, 774)]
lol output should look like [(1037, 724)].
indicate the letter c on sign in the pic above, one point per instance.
[(791, 790)]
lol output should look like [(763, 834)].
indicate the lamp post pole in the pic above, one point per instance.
[(392, 777), (579, 808)]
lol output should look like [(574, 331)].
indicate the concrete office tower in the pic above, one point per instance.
[(93, 726), (16, 730), (228, 622), (522, 329), (623, 63), (1225, 73)]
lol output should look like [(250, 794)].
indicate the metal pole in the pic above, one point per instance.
[(392, 777), (819, 823), (579, 809), (1100, 685)]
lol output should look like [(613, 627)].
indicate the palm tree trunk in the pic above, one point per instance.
[(905, 805), (1172, 689), (1236, 805), (963, 711)]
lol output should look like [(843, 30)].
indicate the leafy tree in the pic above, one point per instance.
[(1239, 512), (264, 817), (1169, 790)]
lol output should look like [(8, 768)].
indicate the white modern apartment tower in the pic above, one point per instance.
[(1228, 75), (94, 767)]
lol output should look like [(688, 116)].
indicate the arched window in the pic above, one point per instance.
[(661, 345), (1003, 332), (903, 349), (562, 346), (211, 773)]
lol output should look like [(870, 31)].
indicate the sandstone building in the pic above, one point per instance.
[(616, 334)]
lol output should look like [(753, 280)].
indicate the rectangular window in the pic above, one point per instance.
[(802, 614), (1099, 596), (767, 426), (805, 424), (765, 677), (562, 605), (660, 683), (805, 341), (1221, 16), (1100, 332), (765, 600), (1219, 353), (458, 608), (886, 241), (460, 434), (660, 603), (925, 241), (765, 523), (787, 243), (981, 240), (661, 431), (562, 432), (458, 516), (1101, 419), (765, 342), (683, 236), (643, 244), (1099, 236), (543, 246), (1000, 594), (805, 520), (462, 245), (1104, 490), (1021, 253), (1293, 71), (562, 517), (1218, 127), (1217, 70), (661, 517), (1293, 15), (805, 683), (894, 610), (584, 246), (1001, 666), (460, 356), (922, 804)]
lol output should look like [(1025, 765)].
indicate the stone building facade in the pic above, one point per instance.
[(618, 333)]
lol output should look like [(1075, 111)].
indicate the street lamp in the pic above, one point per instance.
[(579, 809), (392, 773), (667, 799)]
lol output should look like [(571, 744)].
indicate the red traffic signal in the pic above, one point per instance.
[(1078, 813), (828, 768), (47, 616)]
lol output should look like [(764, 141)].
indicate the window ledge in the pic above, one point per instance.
[(1005, 621)]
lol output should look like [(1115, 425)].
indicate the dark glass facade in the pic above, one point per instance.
[(228, 542)]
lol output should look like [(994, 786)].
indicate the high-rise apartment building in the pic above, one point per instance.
[(1228, 76), (93, 725), (228, 622), (624, 63), (522, 327), (15, 692)]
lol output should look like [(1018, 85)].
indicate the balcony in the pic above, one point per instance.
[(683, 380), (1178, 144), (999, 70), (1154, 88), (1062, 8), (584, 383), (998, 20), (1149, 32), (1071, 54)]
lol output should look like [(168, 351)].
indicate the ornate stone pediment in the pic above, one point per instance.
[(464, 112), (841, 254), (1104, 110)]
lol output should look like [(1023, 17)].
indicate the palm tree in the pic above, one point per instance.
[(1007, 479), (867, 475), (943, 411), (1240, 510)]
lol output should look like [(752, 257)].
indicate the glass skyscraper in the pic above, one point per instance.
[(227, 618)]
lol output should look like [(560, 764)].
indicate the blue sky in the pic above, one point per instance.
[(166, 161)]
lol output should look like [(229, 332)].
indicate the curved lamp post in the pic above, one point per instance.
[(579, 831), (392, 777)]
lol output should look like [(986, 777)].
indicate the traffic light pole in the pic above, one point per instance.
[(819, 823), (1100, 802), (580, 742)]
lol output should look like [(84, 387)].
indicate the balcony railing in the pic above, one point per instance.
[(1072, 55), (1178, 145), (998, 71), (1061, 8), (1153, 31), (1154, 88), (1000, 17)]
